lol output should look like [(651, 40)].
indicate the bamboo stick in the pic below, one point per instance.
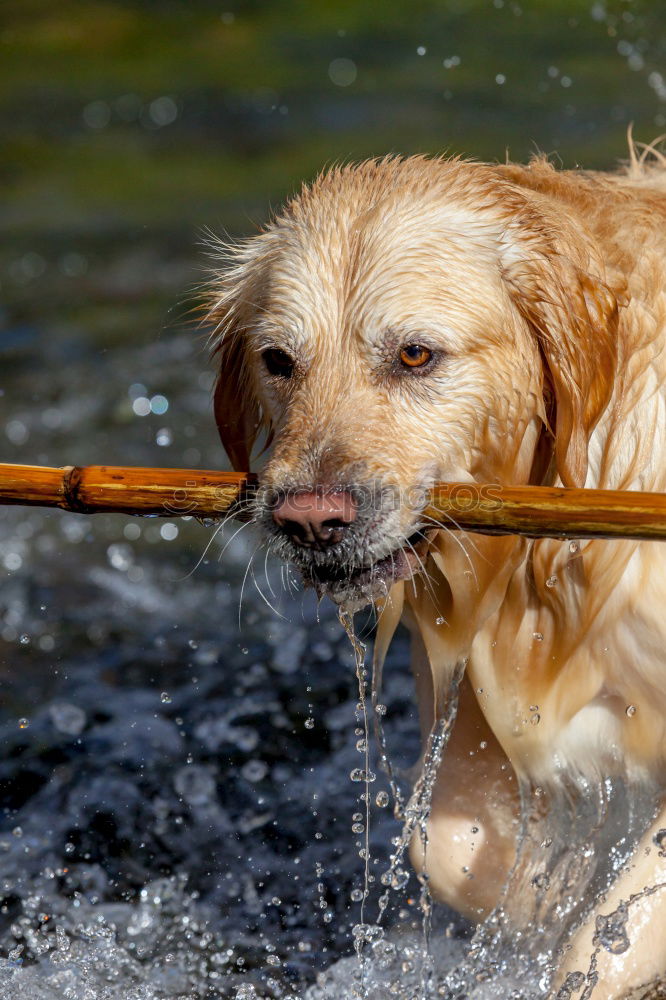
[(534, 511)]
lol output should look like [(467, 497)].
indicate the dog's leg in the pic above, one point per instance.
[(644, 961), (473, 822)]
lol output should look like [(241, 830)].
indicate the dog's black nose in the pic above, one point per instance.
[(315, 518)]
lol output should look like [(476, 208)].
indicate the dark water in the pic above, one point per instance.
[(166, 771), (175, 763)]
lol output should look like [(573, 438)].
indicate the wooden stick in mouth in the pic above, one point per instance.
[(533, 511)]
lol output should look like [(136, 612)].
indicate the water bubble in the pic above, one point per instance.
[(573, 547), (630, 710), (169, 531), (535, 719), (358, 828), (380, 709), (23, 723), (537, 636), (440, 621), (273, 960), (17, 832), (254, 770), (356, 895), (551, 581), (24, 639), (483, 745), (165, 698), (382, 799), (164, 437), (362, 745), (309, 723), (342, 72), (68, 719), (195, 784)]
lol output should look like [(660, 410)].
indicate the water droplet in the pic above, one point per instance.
[(573, 547), (572, 983), (17, 832), (23, 723), (440, 621), (541, 881), (68, 719), (535, 719), (361, 745), (358, 828), (195, 784), (611, 931), (537, 636), (309, 723), (358, 774), (382, 799), (273, 960), (399, 879), (165, 698), (254, 770), (551, 581), (245, 992), (631, 710), (380, 709), (24, 639), (483, 745), (356, 895), (659, 840)]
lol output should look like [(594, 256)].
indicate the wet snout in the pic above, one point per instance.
[(316, 518)]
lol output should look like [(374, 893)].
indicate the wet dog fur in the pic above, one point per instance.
[(540, 296)]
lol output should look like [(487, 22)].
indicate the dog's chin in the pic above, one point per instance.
[(355, 588)]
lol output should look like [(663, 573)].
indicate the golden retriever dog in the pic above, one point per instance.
[(405, 321)]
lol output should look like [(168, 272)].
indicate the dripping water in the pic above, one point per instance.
[(414, 813)]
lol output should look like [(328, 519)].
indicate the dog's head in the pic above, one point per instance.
[(402, 322)]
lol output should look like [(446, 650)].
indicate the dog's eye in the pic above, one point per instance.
[(278, 362), (415, 355)]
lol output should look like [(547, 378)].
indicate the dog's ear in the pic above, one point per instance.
[(551, 275), (236, 298)]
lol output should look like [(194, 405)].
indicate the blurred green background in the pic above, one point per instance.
[(130, 126)]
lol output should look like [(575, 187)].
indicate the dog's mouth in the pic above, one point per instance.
[(356, 586)]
